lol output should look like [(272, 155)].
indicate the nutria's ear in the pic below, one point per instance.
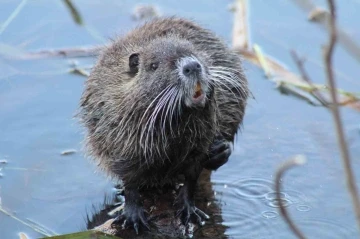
[(134, 63)]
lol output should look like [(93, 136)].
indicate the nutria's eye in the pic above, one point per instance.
[(154, 66), (134, 63)]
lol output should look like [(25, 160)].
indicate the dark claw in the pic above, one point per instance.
[(219, 153), (187, 211), (144, 221), (118, 220), (185, 218), (202, 214), (198, 218), (128, 223), (136, 227), (132, 216)]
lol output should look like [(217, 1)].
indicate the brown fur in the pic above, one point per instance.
[(115, 102)]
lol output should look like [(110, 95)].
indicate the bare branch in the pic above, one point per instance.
[(297, 160), (322, 17), (286, 77), (315, 93), (12, 16), (328, 57), (75, 14), (83, 51)]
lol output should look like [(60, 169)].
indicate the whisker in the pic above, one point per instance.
[(170, 109), (162, 119), (227, 69), (219, 83), (232, 79), (148, 127)]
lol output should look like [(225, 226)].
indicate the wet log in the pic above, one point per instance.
[(159, 203)]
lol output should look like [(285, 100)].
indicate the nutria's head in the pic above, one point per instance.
[(171, 69), (139, 96)]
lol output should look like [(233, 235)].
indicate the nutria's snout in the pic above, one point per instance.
[(192, 68), (194, 81)]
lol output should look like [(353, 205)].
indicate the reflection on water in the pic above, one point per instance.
[(38, 99), (250, 212), (270, 214), (253, 187), (256, 206)]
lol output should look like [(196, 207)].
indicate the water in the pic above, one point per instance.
[(38, 99)]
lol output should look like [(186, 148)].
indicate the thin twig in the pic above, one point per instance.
[(285, 77), (263, 62), (315, 93), (322, 17), (12, 16), (83, 51), (75, 14), (328, 57), (37, 229), (80, 72), (298, 160)]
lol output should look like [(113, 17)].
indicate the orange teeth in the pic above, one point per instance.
[(198, 87), (198, 91)]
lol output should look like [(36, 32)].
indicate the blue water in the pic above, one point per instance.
[(38, 99)]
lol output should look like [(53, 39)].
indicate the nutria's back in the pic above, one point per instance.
[(157, 97)]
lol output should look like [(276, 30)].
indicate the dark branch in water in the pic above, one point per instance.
[(298, 160), (328, 58)]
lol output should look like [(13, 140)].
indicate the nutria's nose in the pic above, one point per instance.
[(192, 68)]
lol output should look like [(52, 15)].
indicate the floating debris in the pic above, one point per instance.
[(79, 71), (317, 14), (26, 169), (240, 34), (116, 210), (262, 60), (68, 152), (3, 161), (23, 235)]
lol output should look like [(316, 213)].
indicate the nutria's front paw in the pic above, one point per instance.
[(134, 216), (219, 153), (187, 210)]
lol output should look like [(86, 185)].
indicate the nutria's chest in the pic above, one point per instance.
[(171, 171), (175, 150), (182, 154)]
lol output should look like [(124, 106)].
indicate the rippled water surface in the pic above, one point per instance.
[(38, 99)]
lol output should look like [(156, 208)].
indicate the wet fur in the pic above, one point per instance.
[(117, 106)]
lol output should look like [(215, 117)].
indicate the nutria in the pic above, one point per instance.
[(162, 103)]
